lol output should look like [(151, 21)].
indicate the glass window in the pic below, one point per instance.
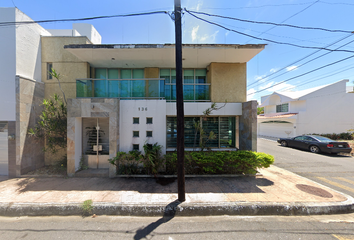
[(136, 147), (200, 76), (227, 132), (148, 133), (49, 70), (135, 133), (125, 73), (149, 120), (188, 76), (211, 129), (135, 120), (283, 107), (219, 132), (195, 84)]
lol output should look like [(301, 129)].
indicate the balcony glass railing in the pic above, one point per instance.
[(139, 89)]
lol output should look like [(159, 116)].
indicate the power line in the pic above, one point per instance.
[(303, 59), (265, 39), (270, 23), (82, 19), (286, 19), (283, 5), (314, 70)]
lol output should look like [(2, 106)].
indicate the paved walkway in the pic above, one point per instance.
[(275, 191)]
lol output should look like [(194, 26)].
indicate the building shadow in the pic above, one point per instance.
[(242, 184)]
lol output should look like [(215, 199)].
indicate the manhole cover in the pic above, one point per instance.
[(314, 190)]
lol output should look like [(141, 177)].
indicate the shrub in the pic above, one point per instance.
[(234, 162), (337, 136)]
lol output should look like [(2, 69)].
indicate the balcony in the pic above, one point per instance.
[(147, 88)]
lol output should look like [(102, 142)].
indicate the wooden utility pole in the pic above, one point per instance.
[(179, 104)]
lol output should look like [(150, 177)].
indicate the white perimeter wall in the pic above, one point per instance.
[(7, 66), (329, 110), (197, 109), (142, 109)]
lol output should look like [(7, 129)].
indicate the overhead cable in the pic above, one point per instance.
[(314, 70), (270, 23), (81, 19), (313, 59), (265, 39)]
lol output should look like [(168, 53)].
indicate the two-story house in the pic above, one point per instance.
[(321, 110), (121, 96)]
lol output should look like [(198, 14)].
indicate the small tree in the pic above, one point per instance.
[(52, 124), (260, 110), (53, 121)]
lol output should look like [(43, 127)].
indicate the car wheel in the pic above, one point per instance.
[(284, 143), (315, 149)]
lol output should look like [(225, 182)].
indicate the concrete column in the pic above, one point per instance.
[(248, 126)]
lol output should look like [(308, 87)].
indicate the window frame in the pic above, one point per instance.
[(195, 84), (134, 145), (134, 134), (148, 132), (280, 107), (219, 139), (147, 120), (136, 118), (49, 70)]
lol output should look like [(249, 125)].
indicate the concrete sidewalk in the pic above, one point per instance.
[(275, 192)]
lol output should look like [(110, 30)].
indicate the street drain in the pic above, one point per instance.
[(314, 190)]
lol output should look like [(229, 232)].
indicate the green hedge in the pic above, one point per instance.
[(338, 136), (224, 162)]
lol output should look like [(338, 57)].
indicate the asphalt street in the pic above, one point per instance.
[(334, 171), (339, 227)]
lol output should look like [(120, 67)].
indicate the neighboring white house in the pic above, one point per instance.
[(324, 109)]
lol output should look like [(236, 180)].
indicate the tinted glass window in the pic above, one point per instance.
[(299, 138), (323, 139)]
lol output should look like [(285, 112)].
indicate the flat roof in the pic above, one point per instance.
[(162, 55)]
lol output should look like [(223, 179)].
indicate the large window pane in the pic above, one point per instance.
[(113, 74), (168, 92), (100, 87), (200, 75), (188, 76), (138, 88), (202, 92), (227, 132), (100, 73), (211, 124), (138, 73), (124, 88), (125, 73), (188, 92), (171, 128), (165, 73), (191, 139), (84, 88), (173, 76)]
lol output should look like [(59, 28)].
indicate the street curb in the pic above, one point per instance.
[(181, 209)]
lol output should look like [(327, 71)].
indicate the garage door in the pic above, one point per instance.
[(276, 129), (4, 169)]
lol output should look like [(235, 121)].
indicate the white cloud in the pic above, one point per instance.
[(273, 70), (210, 38), (291, 68), (194, 33), (227, 33), (250, 93), (200, 3), (261, 78)]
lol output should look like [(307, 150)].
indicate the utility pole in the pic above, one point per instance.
[(179, 104)]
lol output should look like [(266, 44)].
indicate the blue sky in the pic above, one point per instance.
[(329, 14)]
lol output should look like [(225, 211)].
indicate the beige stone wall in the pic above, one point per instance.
[(29, 99), (66, 64), (228, 82)]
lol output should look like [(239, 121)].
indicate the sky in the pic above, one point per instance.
[(280, 60)]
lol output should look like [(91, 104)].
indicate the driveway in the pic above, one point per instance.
[(334, 171)]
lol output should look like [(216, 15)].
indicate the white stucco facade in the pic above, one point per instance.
[(325, 109)]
